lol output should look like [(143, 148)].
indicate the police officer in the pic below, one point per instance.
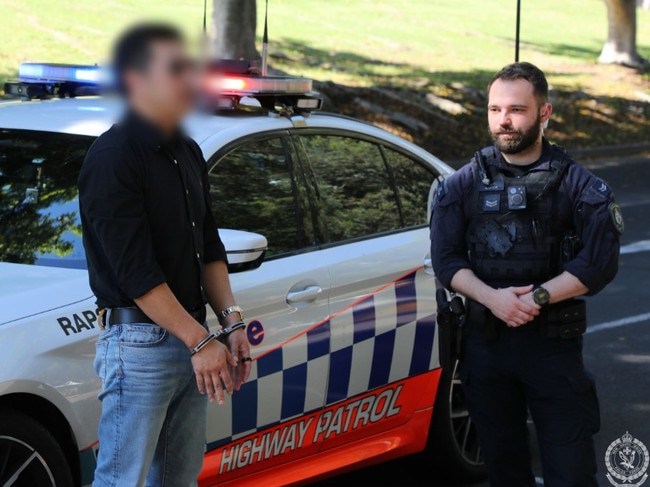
[(522, 231)]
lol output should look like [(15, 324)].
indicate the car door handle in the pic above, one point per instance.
[(428, 264), (309, 293)]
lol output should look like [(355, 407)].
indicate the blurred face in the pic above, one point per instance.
[(515, 117), (167, 86)]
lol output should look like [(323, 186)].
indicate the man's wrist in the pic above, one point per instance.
[(195, 335), (541, 296), (486, 295), (237, 331), (220, 335), (230, 314)]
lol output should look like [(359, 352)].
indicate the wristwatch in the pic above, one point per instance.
[(230, 310), (541, 296)]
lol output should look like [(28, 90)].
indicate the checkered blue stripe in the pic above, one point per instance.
[(346, 355)]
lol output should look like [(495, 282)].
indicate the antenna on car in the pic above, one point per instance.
[(265, 41), (206, 43), (517, 28), (205, 15)]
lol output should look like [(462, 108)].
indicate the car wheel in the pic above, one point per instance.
[(29, 455), (453, 443)]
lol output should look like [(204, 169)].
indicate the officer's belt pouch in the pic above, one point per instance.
[(567, 319), (480, 317)]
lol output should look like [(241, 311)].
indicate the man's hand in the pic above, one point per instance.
[(507, 305), (211, 369), (528, 299), (240, 350)]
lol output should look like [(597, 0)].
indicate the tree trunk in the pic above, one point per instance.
[(234, 25), (620, 47)]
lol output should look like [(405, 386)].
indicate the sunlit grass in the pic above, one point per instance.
[(447, 48), (355, 42)]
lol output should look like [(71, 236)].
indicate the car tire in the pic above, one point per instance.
[(29, 454), (452, 446)]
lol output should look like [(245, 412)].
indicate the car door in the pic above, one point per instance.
[(257, 185), (373, 229)]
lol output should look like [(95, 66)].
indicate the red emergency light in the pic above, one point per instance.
[(225, 84), (225, 91)]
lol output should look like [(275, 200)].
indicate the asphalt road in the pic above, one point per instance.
[(617, 344)]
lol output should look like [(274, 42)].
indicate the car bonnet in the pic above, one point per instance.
[(28, 290)]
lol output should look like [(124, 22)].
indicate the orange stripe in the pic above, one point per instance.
[(361, 445), (94, 443)]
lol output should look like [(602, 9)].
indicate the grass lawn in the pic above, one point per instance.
[(414, 48)]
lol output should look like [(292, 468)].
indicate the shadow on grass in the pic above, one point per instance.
[(560, 49), (445, 111), (4, 77), (581, 53)]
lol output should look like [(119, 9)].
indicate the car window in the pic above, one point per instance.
[(39, 209), (253, 189), (413, 181), (354, 188)]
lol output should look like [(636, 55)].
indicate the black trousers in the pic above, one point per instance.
[(517, 372)]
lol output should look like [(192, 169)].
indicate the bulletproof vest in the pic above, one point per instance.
[(512, 234)]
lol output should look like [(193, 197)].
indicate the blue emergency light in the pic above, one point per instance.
[(59, 73), (227, 84), (44, 80)]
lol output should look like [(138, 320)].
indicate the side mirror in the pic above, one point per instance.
[(245, 250)]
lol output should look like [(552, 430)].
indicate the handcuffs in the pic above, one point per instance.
[(220, 335)]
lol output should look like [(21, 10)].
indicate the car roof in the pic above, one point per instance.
[(91, 116), (86, 116)]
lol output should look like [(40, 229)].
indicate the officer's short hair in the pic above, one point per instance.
[(530, 73), (132, 50)]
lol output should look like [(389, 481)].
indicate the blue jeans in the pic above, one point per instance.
[(152, 428)]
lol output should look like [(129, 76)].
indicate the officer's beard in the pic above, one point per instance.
[(520, 142)]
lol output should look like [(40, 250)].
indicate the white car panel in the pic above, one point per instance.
[(294, 304), (55, 288)]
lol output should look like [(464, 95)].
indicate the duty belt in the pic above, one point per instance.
[(566, 319), (133, 314)]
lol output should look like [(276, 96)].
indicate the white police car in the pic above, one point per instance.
[(325, 223)]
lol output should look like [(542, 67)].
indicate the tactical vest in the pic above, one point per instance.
[(513, 235)]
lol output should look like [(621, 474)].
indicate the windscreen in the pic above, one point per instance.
[(39, 207)]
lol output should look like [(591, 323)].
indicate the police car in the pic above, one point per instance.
[(325, 222)]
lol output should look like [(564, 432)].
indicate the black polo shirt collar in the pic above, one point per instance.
[(148, 133)]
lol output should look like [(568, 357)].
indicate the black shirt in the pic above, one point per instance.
[(145, 213)]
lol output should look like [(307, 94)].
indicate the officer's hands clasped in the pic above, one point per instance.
[(512, 306)]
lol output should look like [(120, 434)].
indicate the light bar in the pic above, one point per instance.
[(226, 86), (242, 85), (59, 73)]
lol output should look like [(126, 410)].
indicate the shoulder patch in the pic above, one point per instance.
[(601, 187), (616, 214), (598, 192)]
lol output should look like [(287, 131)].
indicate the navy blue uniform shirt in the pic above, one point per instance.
[(146, 216), (583, 199)]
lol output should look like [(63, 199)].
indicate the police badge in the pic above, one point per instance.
[(617, 217), (627, 460)]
